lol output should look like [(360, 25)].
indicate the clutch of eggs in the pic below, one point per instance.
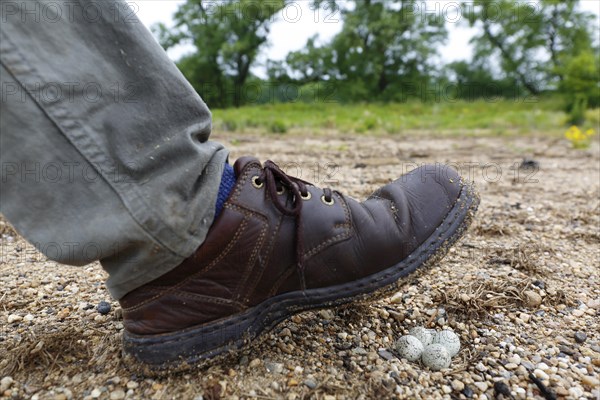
[(435, 349)]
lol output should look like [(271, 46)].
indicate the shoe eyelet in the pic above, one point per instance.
[(256, 182), (328, 203), (307, 197), (282, 191)]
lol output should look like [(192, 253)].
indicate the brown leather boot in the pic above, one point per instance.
[(281, 246)]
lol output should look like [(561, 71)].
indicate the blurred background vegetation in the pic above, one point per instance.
[(535, 65)]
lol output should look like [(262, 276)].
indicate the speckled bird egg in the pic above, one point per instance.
[(436, 357), (409, 347), (423, 334), (449, 340)]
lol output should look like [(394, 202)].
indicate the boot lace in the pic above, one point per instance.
[(276, 182)]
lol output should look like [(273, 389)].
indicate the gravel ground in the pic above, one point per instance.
[(521, 289)]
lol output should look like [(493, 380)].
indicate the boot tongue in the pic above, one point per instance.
[(242, 162)]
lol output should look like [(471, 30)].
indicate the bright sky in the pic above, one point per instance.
[(297, 22)]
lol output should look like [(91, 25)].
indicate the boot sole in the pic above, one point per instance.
[(200, 344)]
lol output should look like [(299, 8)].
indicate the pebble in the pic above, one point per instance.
[(541, 374), (103, 307), (511, 366), (481, 386), (254, 363), (96, 393), (458, 385), (580, 337), (132, 385), (386, 355), (5, 383), (590, 381), (12, 318), (542, 366), (501, 387), (275, 368), (309, 383), (118, 394), (578, 313), (468, 392), (532, 298), (576, 392), (515, 359)]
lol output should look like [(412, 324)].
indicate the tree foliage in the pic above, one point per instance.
[(386, 51), (533, 41), (227, 36)]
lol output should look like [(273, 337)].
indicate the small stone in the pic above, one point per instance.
[(527, 365), (524, 317), (292, 382), (578, 313), (327, 314), (532, 298), (482, 386), (342, 335), (96, 393), (309, 383), (541, 374), (539, 284), (12, 318), (521, 393), (542, 366), (561, 391), (118, 394), (576, 392), (397, 298), (103, 307), (274, 368), (254, 363), (132, 385), (511, 366), (446, 389), (29, 317), (590, 381), (468, 392), (458, 385), (6, 383), (580, 337), (501, 387), (386, 355), (515, 359)]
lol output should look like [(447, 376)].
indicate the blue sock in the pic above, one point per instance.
[(227, 183)]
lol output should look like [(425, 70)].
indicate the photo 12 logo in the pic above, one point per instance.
[(68, 10)]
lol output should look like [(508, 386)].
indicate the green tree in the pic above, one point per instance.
[(227, 36), (532, 40), (383, 46)]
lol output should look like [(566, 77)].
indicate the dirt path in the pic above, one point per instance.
[(517, 289)]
